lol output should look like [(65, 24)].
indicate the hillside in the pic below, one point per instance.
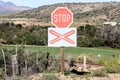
[(8, 7), (83, 12)]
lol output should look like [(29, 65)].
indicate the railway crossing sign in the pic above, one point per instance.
[(62, 37)]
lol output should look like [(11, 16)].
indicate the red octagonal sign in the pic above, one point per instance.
[(62, 17)]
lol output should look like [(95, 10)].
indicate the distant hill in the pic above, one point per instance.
[(83, 12), (8, 7)]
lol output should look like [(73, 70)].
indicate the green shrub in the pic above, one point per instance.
[(84, 42), (1, 73), (112, 66), (97, 42), (116, 45), (100, 73), (55, 66), (101, 61), (49, 77)]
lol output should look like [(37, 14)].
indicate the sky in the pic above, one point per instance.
[(37, 3)]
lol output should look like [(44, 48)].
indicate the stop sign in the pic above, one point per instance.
[(62, 17)]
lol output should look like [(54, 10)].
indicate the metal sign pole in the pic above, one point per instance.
[(62, 60)]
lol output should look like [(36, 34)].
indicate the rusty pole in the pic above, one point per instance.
[(62, 60)]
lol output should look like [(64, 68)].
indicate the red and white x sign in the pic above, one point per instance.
[(62, 37)]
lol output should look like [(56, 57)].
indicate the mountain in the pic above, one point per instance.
[(97, 12), (8, 7)]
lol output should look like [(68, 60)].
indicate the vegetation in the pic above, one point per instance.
[(100, 73), (37, 60), (16, 34), (91, 36), (29, 62), (49, 77), (87, 36), (112, 66)]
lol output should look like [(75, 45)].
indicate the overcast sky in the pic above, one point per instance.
[(37, 3)]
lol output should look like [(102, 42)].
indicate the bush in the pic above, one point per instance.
[(84, 42), (115, 45), (97, 42), (49, 77), (101, 61), (1, 74), (112, 66), (100, 73), (55, 66)]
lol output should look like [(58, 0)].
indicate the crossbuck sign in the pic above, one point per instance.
[(62, 37)]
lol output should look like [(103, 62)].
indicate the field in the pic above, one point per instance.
[(37, 22), (73, 51)]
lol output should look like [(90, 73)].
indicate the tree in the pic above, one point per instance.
[(109, 33)]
